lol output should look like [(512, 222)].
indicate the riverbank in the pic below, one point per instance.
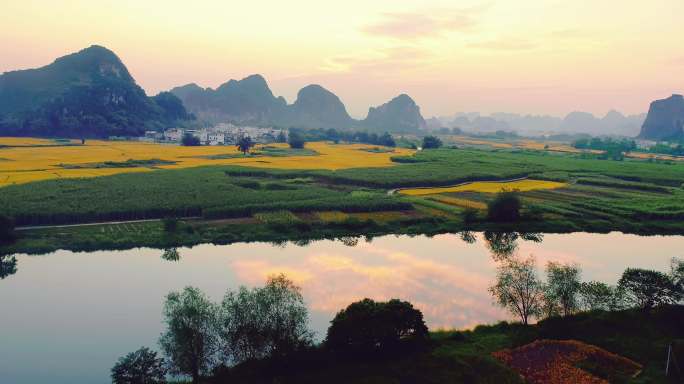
[(466, 356)]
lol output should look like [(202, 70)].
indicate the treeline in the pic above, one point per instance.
[(204, 339), (613, 149), (521, 291), (674, 150), (252, 331), (337, 136)]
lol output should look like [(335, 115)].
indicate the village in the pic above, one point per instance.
[(220, 134)]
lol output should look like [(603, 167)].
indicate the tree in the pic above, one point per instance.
[(387, 140), (595, 295), (518, 289), (367, 326), (563, 286), (190, 140), (505, 207), (647, 289), (430, 142), (170, 254), (8, 266), (296, 139), (139, 367), (6, 229), (244, 144), (282, 137), (264, 321), (189, 342)]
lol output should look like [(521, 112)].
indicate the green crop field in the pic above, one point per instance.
[(599, 195)]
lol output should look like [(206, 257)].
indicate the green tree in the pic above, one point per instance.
[(139, 367), (367, 326), (647, 289), (282, 137), (244, 144), (190, 342), (505, 207), (190, 140), (431, 142), (171, 254), (595, 295), (8, 266), (296, 139), (387, 140), (563, 286), (264, 321), (518, 289)]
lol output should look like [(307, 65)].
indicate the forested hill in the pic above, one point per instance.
[(85, 94)]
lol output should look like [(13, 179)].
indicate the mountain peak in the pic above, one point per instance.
[(316, 107), (401, 114), (665, 119)]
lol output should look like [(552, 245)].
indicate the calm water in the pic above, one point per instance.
[(66, 317)]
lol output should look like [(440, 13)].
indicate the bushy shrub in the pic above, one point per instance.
[(190, 140), (505, 207), (369, 326), (430, 142), (139, 367)]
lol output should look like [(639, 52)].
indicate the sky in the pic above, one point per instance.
[(523, 56)]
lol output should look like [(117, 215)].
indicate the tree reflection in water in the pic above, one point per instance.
[(8, 266), (468, 237), (504, 244), (349, 241), (171, 254)]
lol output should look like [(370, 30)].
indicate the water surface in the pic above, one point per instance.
[(66, 317)]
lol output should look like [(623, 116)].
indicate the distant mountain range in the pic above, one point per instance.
[(613, 123), (85, 94), (91, 94), (665, 120), (250, 101)]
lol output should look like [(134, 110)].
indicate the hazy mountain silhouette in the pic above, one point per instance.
[(665, 119), (613, 123), (400, 114), (316, 107), (85, 94), (250, 101)]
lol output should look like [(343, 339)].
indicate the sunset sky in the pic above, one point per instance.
[(526, 56)]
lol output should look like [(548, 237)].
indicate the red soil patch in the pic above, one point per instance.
[(555, 362)]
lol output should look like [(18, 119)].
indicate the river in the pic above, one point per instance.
[(66, 317)]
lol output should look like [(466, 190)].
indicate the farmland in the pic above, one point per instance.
[(27, 160), (326, 188)]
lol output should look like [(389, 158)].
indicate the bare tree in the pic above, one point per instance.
[(518, 288)]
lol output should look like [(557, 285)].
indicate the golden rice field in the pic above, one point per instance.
[(487, 187), (23, 162)]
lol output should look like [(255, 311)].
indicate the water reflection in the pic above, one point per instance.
[(8, 266), (171, 254), (505, 244), (100, 317)]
